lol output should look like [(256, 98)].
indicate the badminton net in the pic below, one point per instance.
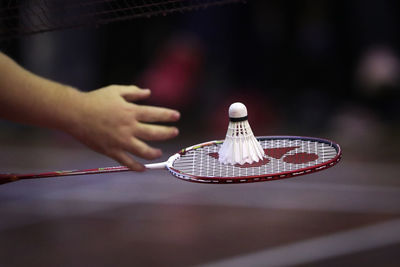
[(23, 17)]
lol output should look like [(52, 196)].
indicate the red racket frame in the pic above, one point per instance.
[(267, 177)]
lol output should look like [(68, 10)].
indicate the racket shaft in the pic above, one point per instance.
[(156, 166), (6, 178)]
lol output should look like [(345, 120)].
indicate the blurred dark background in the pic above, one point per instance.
[(302, 67)]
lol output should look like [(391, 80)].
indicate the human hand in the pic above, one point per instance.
[(106, 121)]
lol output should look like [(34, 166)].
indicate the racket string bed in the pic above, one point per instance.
[(200, 162)]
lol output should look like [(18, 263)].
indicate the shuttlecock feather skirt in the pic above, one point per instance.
[(240, 146)]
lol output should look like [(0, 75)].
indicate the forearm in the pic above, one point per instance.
[(30, 99)]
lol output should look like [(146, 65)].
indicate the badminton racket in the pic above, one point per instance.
[(286, 157)]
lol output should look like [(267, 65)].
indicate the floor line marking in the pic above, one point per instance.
[(320, 248)]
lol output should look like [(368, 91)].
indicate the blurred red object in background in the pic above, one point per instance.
[(173, 75)]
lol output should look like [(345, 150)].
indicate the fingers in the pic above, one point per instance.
[(143, 150), (126, 160), (132, 92), (146, 113), (151, 132), (157, 114), (137, 148)]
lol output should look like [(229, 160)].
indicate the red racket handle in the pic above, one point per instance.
[(8, 178)]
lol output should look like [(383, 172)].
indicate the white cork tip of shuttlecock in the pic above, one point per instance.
[(240, 146), (237, 110)]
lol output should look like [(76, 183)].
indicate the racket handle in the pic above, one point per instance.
[(156, 166), (8, 178)]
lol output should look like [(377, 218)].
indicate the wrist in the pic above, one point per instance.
[(69, 109)]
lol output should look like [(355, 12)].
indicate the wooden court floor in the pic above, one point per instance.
[(348, 215)]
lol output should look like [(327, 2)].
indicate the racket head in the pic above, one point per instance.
[(286, 157)]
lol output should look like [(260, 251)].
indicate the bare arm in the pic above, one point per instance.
[(102, 119), (28, 98)]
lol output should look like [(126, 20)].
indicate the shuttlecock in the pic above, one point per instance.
[(240, 146)]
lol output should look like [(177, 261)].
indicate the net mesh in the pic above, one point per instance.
[(300, 154), (22, 17)]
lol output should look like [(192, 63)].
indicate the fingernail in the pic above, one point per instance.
[(141, 168), (176, 131), (138, 167), (158, 153), (176, 115)]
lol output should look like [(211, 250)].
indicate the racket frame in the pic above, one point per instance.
[(255, 178)]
